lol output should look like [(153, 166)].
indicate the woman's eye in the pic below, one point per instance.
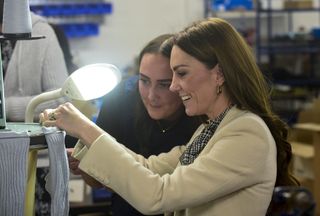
[(181, 73), (165, 85), (144, 81)]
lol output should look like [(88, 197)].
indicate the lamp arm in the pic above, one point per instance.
[(34, 102)]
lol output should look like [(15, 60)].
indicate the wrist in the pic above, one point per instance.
[(90, 134)]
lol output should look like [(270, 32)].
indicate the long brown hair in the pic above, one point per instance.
[(213, 41)]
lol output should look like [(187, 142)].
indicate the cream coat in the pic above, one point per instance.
[(234, 174)]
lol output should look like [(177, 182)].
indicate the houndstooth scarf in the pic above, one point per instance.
[(198, 144)]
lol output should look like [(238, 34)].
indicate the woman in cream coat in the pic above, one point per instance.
[(233, 161)]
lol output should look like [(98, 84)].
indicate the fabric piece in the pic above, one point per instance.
[(58, 177), (198, 144), (13, 168)]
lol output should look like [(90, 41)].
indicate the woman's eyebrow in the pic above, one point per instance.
[(143, 76), (178, 66), (159, 81), (164, 81)]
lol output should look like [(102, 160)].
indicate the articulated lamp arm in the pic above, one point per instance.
[(51, 95)]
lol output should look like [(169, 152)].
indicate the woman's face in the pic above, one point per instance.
[(195, 83), (154, 82)]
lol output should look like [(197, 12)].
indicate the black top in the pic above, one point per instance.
[(117, 117)]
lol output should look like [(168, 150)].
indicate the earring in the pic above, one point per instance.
[(219, 89)]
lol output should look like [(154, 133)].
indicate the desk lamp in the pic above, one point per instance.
[(87, 83)]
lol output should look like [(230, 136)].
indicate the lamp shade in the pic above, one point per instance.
[(87, 83), (91, 81)]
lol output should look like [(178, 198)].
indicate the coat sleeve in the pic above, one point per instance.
[(234, 158)]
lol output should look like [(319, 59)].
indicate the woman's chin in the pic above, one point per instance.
[(190, 112), (156, 116)]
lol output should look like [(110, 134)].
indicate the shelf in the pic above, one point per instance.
[(239, 14), (234, 14), (288, 96), (289, 10), (77, 19), (285, 49), (291, 57), (74, 9), (300, 82), (301, 149)]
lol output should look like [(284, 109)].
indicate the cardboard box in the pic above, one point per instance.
[(76, 190), (302, 166), (301, 137), (303, 152), (298, 4), (305, 141)]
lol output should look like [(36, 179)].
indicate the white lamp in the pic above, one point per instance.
[(87, 83)]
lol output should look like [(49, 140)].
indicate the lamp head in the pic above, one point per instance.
[(86, 83), (91, 81)]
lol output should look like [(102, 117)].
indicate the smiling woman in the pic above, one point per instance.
[(233, 160), (207, 99)]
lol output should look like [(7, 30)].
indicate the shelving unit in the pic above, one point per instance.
[(241, 17), (270, 48), (302, 87), (76, 18), (298, 50)]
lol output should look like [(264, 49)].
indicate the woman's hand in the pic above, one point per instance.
[(69, 118), (73, 163), (74, 168)]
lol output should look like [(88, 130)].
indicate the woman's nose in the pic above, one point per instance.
[(174, 86), (152, 94)]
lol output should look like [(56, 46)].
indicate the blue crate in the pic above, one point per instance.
[(78, 30), (101, 194), (232, 4), (315, 32), (72, 9)]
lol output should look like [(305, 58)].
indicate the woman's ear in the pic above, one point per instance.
[(220, 76)]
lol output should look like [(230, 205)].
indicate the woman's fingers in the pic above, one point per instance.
[(47, 116)]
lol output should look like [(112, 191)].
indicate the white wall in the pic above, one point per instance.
[(134, 22), (131, 25)]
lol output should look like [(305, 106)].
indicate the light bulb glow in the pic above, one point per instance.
[(92, 81)]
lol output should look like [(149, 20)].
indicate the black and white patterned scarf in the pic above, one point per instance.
[(198, 144)]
